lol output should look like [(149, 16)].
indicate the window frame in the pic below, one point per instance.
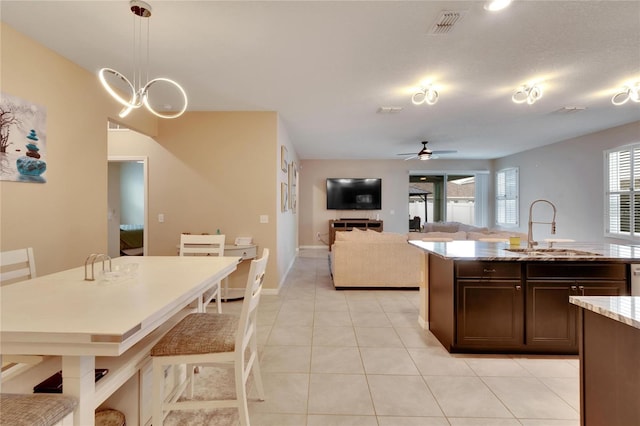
[(502, 197), (633, 192)]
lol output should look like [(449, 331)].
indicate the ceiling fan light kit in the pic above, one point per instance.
[(425, 153), (138, 94)]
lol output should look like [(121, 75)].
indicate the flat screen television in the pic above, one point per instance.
[(354, 193)]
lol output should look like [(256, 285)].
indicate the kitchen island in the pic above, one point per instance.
[(484, 297), (609, 330)]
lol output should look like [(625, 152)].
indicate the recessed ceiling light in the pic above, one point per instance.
[(495, 5)]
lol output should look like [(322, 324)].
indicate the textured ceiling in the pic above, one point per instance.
[(327, 66)]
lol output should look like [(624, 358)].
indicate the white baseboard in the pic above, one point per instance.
[(424, 324), (314, 247)]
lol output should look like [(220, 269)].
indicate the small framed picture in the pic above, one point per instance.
[(284, 197), (293, 186), (284, 160)]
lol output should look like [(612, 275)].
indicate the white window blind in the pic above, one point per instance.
[(507, 211), (622, 197)]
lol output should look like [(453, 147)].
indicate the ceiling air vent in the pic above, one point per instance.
[(389, 109), (445, 21), (570, 109)]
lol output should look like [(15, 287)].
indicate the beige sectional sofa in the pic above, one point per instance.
[(369, 259), (446, 231)]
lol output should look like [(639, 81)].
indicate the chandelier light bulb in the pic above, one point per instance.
[(630, 91), (496, 5), (423, 95), (527, 93)]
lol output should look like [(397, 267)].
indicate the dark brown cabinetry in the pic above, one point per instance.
[(490, 304), (506, 306), (609, 373), (551, 322)]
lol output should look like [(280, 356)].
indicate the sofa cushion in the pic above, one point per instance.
[(504, 235), (386, 237), (354, 235), (370, 235), (441, 227), (443, 236), (470, 228)]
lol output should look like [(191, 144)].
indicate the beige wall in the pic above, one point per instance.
[(64, 219), (210, 171), (314, 216), (207, 170)]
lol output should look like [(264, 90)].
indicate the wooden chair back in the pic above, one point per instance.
[(202, 245), (17, 265)]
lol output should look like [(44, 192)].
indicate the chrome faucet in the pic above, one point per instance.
[(530, 240)]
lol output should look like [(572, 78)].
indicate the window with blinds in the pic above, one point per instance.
[(622, 197), (507, 211)]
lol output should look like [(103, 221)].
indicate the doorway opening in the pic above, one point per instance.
[(127, 204), (441, 198)]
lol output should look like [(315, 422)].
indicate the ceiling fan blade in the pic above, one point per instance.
[(407, 153), (450, 151), (414, 156)]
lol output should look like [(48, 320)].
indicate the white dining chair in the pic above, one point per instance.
[(17, 265), (201, 339), (206, 245)]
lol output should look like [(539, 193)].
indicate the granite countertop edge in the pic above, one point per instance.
[(497, 251), (624, 309)]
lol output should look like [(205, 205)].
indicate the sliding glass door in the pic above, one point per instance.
[(443, 197)]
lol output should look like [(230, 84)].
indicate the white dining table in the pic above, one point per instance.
[(63, 314)]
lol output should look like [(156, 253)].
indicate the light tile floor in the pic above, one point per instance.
[(359, 358)]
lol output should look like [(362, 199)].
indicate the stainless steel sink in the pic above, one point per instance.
[(553, 252)]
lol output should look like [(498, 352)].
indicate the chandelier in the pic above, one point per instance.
[(630, 91), (527, 93), (136, 93), (425, 95)]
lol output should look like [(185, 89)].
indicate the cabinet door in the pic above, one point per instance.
[(551, 320), (489, 314), (602, 288)]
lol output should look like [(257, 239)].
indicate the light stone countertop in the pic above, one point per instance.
[(499, 251), (624, 309)]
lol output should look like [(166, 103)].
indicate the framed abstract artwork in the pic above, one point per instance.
[(23, 136)]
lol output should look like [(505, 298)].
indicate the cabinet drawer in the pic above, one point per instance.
[(577, 270), (488, 269), (246, 252)]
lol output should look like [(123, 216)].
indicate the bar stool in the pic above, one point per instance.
[(110, 417), (38, 409), (203, 338)]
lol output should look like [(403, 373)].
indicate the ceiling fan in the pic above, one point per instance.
[(425, 153)]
